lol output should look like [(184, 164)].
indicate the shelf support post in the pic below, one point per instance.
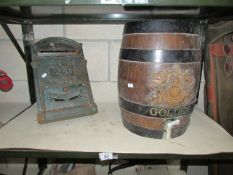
[(28, 39)]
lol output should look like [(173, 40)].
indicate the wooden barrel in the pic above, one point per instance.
[(159, 75)]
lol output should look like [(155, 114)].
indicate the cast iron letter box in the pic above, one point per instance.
[(61, 80)]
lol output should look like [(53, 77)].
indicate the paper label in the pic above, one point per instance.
[(123, 1), (67, 1), (44, 75), (111, 1), (141, 1), (130, 85), (107, 156)]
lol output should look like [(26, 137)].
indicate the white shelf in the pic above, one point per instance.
[(104, 132), (9, 110)]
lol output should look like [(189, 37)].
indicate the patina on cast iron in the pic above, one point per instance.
[(62, 85)]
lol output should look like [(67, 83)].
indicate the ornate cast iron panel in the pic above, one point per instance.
[(61, 79)]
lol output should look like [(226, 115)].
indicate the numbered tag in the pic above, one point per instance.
[(111, 1), (107, 156), (124, 1), (67, 1), (141, 1)]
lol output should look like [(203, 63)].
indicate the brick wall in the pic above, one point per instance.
[(101, 44)]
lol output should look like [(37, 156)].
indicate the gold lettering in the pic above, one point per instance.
[(154, 111), (162, 112), (169, 112)]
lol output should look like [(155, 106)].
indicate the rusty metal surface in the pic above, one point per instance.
[(61, 80)]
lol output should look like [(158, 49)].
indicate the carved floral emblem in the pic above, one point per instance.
[(172, 88)]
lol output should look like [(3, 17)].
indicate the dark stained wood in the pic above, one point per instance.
[(161, 41), (142, 121), (139, 75), (147, 77), (151, 123)]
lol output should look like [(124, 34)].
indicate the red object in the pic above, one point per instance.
[(216, 51), (6, 82)]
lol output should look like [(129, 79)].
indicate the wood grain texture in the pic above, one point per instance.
[(142, 121), (155, 124), (139, 74), (146, 76), (172, 41)]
